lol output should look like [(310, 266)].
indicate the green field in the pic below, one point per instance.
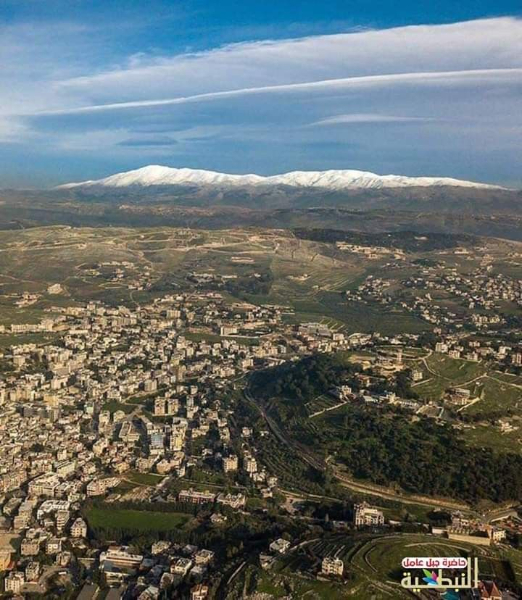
[(495, 396), (143, 478), (113, 406), (136, 520), (442, 372), (485, 435), (12, 339), (357, 316), (457, 371)]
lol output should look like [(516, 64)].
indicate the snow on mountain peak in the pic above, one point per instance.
[(153, 175), (156, 175)]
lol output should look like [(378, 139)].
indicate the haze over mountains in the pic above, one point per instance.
[(156, 175)]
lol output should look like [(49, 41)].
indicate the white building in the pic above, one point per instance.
[(14, 582), (79, 528), (366, 515), (332, 566)]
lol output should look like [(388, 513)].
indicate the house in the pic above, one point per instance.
[(266, 561), (32, 571), (230, 463), (114, 575), (204, 557), (159, 547), (496, 534), (116, 593), (195, 497), (121, 557), (53, 545), (417, 375), (14, 582), (30, 547), (199, 592), (79, 528), (232, 500), (181, 566), (280, 546), (150, 593), (489, 590)]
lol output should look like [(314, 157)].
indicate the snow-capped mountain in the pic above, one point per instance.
[(158, 175), (155, 175)]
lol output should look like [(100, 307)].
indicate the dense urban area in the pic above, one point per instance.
[(192, 435)]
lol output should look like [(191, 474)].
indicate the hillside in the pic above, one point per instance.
[(494, 213)]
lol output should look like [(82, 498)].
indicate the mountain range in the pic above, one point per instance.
[(337, 180), (347, 200)]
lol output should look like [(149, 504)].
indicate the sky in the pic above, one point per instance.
[(89, 88)]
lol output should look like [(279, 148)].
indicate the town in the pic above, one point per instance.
[(130, 406)]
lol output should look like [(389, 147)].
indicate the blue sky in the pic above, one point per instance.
[(89, 88)]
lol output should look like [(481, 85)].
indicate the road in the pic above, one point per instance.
[(299, 449), (388, 494)]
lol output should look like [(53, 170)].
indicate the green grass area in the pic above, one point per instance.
[(138, 400), (455, 370), (508, 378), (361, 317), (283, 579), (113, 406), (489, 436), (126, 486), (498, 568), (495, 396), (322, 402), (514, 556), (136, 520), (267, 585), (10, 314), (384, 555), (431, 388), (143, 478), (13, 339), (443, 372), (256, 503)]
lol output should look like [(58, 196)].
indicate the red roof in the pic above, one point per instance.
[(489, 590)]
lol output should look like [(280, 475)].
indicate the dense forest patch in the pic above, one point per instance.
[(384, 444), (408, 241)]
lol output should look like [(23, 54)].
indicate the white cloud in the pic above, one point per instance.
[(478, 77), (457, 87), (474, 45), (367, 118)]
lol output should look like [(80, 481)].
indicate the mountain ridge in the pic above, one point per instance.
[(349, 179)]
